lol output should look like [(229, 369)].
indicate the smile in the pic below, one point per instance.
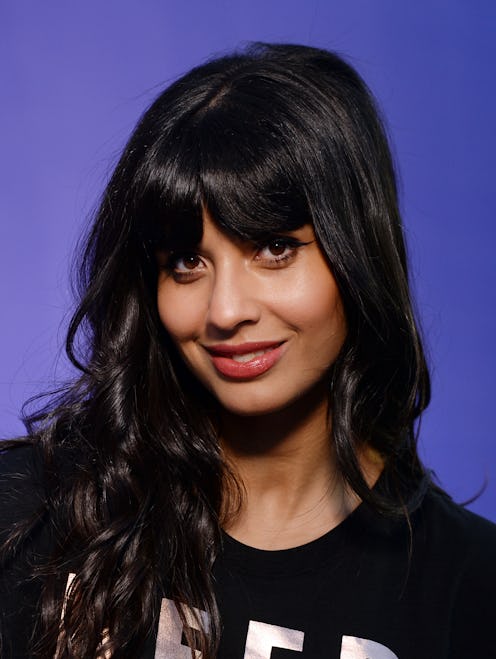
[(247, 360), (249, 355)]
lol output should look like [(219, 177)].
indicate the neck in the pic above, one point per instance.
[(292, 491)]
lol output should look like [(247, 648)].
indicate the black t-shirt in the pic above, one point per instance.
[(369, 589)]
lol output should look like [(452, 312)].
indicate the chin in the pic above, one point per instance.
[(252, 411), (247, 410), (246, 406)]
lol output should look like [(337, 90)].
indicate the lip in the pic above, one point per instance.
[(221, 356), (226, 350)]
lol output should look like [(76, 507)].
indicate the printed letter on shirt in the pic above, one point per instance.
[(105, 636), (262, 638), (361, 648), (170, 631)]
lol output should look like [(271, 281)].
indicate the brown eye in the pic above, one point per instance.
[(185, 265), (277, 247), (190, 261), (279, 251)]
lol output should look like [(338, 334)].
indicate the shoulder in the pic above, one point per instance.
[(30, 484), (456, 537), (24, 539), (21, 482), (461, 546), (448, 523), (19, 458)]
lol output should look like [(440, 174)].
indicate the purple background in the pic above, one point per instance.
[(74, 77)]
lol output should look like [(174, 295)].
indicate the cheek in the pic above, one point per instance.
[(180, 318), (320, 321), (316, 305)]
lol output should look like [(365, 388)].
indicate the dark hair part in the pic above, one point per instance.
[(268, 139)]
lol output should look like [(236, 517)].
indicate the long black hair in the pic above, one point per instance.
[(267, 139)]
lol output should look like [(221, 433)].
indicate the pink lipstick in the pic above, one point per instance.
[(245, 360)]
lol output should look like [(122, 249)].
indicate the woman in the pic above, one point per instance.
[(235, 470)]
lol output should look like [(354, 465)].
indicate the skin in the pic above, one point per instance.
[(275, 427)]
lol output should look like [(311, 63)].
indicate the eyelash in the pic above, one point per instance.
[(275, 261), (292, 243)]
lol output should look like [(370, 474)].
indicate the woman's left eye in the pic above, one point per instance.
[(278, 250)]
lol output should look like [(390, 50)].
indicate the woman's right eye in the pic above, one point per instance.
[(184, 266)]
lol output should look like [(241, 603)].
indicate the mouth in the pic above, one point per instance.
[(248, 356), (247, 360)]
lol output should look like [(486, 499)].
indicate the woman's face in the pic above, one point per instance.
[(259, 325)]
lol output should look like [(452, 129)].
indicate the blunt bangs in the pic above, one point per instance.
[(230, 157)]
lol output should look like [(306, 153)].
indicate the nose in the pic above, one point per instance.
[(234, 298)]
